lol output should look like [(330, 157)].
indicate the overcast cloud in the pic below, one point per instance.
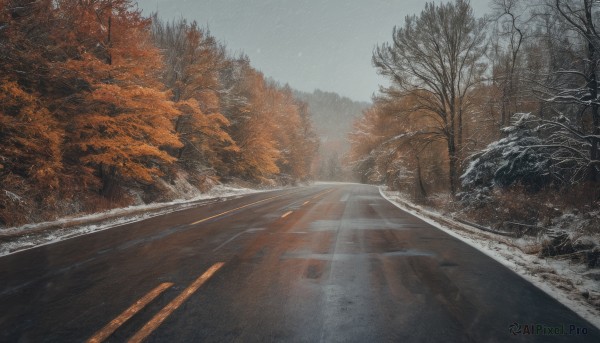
[(307, 43)]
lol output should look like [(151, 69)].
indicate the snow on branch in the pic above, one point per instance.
[(535, 153)]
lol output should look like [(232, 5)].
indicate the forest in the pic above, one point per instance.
[(332, 115), (101, 107), (496, 118)]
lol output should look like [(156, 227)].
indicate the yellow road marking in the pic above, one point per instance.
[(286, 214), (106, 331), (306, 202), (235, 209), (174, 304)]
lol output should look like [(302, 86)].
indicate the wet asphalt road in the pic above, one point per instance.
[(327, 263)]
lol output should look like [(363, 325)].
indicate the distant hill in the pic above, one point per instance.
[(333, 116)]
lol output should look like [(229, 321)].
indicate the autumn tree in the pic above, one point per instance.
[(437, 57), (390, 144), (193, 60), (272, 129), (246, 106), (120, 116), (294, 133), (30, 154), (80, 87), (368, 132), (305, 143), (96, 102)]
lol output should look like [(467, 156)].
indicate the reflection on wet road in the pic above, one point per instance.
[(330, 263)]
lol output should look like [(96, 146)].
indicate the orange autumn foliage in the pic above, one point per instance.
[(30, 138), (121, 120), (193, 60), (97, 103)]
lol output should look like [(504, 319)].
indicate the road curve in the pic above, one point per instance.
[(326, 263)]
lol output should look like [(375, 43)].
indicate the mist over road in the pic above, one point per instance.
[(330, 263)]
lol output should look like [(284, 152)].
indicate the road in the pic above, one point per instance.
[(326, 263)]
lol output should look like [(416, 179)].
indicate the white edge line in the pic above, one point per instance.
[(572, 305), (236, 236), (133, 220), (229, 240)]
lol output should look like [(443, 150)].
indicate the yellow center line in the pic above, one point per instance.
[(286, 214), (235, 209), (111, 327), (174, 304)]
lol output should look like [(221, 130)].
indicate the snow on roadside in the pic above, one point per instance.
[(34, 235), (558, 278)]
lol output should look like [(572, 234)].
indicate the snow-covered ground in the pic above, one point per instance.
[(32, 235), (561, 279)]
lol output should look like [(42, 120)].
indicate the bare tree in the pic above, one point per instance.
[(506, 47), (579, 87), (437, 57)]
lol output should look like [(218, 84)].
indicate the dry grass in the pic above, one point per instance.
[(516, 205)]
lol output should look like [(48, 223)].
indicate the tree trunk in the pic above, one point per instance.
[(423, 192), (453, 159), (107, 175), (109, 42), (452, 148), (593, 88)]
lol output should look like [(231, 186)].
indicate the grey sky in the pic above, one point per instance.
[(306, 43)]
